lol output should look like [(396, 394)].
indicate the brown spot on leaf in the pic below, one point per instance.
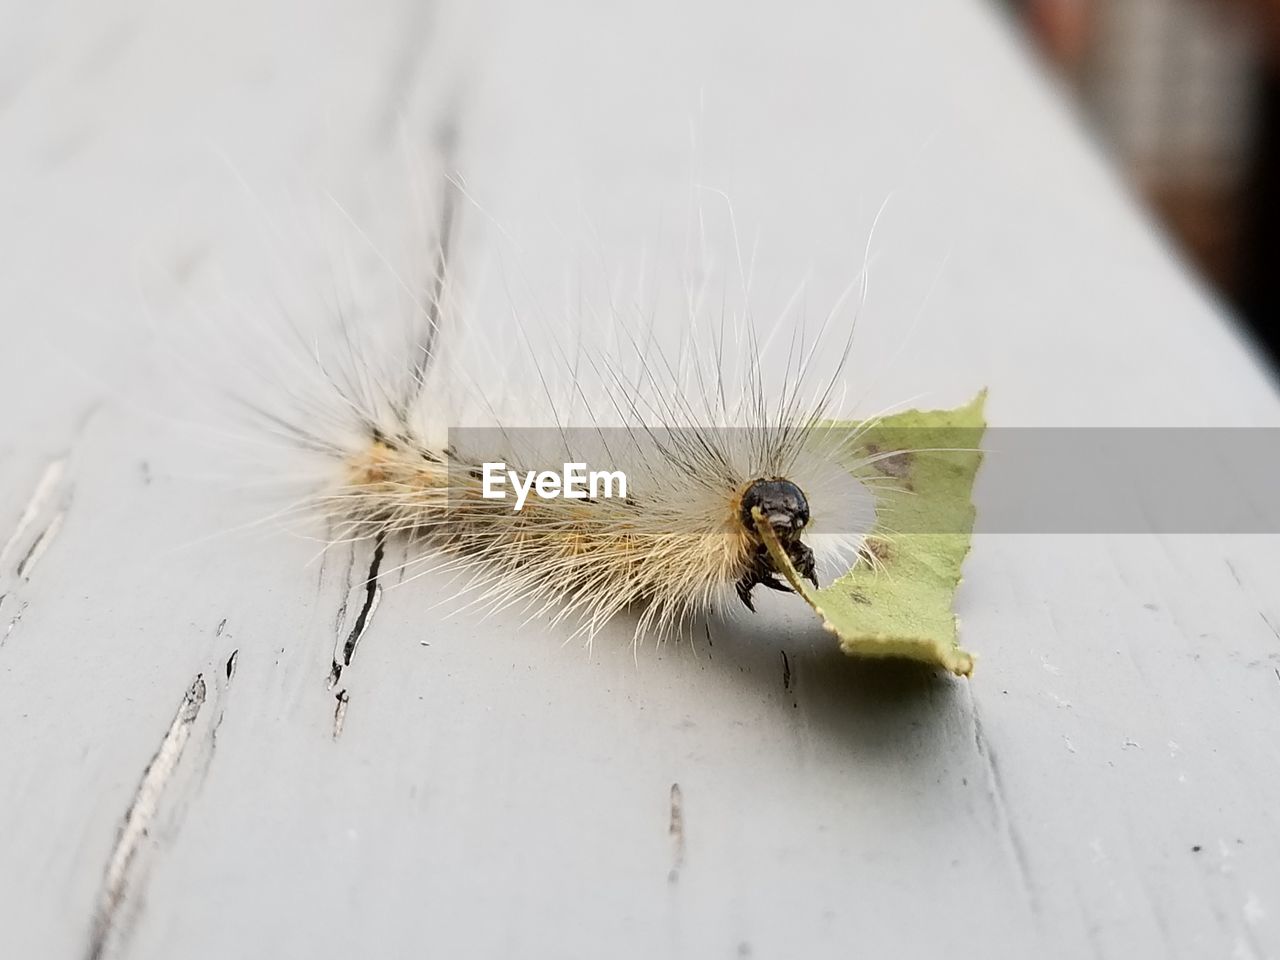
[(893, 464), (877, 549)]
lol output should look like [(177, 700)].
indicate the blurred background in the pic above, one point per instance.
[(1185, 94)]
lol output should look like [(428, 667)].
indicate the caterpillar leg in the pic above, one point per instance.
[(762, 572), (805, 563), (748, 582)]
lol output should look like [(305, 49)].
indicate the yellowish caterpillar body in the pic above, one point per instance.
[(676, 545)]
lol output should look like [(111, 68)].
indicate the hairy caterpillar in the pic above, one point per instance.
[(701, 435), (676, 544)]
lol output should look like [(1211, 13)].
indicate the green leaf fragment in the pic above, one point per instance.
[(897, 601)]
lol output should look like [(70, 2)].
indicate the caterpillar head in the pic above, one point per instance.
[(784, 505)]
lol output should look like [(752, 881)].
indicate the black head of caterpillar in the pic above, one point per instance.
[(785, 507)]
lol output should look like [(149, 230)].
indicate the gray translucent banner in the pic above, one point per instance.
[(1129, 480), (1031, 480)]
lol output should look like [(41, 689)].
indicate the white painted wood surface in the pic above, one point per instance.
[(1105, 785)]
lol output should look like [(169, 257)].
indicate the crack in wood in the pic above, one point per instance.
[(1234, 572), (176, 771), (675, 829), (39, 546), (117, 879), (996, 791), (372, 597), (46, 488), (1270, 626), (340, 712), (13, 621), (38, 525)]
